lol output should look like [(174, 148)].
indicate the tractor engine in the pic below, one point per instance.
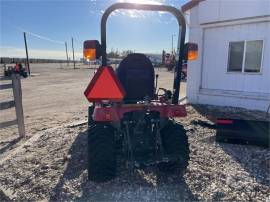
[(141, 137)]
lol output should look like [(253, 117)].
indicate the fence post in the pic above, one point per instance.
[(17, 93)]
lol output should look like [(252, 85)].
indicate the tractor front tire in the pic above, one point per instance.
[(101, 153), (175, 143)]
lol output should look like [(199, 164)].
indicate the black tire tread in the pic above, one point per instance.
[(175, 142), (101, 153)]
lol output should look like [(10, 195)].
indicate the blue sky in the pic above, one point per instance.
[(52, 22)]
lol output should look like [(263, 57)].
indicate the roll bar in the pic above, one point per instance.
[(147, 7)]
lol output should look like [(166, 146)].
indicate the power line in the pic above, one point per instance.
[(36, 35), (45, 38), (78, 41)]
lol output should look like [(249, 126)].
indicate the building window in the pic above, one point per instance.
[(236, 50), (245, 56), (253, 56)]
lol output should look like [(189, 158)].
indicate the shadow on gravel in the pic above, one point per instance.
[(76, 165), (140, 185), (204, 124), (252, 159), (211, 112), (9, 144)]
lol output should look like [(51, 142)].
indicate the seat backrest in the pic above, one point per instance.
[(136, 74)]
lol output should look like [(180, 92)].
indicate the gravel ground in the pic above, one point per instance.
[(53, 167)]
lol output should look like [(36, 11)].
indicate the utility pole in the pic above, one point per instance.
[(73, 52), (172, 42), (26, 51), (66, 53)]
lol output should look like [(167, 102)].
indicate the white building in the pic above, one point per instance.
[(233, 68)]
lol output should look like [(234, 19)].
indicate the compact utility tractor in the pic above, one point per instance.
[(129, 116), (17, 69)]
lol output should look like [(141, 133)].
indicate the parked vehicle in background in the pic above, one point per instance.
[(184, 71), (170, 64), (17, 69)]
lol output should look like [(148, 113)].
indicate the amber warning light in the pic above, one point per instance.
[(91, 49), (104, 86), (192, 51)]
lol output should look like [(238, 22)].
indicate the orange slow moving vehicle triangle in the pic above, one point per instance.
[(104, 86)]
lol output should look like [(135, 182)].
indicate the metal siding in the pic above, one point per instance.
[(222, 10), (234, 102), (194, 67), (216, 43)]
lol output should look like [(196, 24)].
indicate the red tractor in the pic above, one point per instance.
[(129, 117)]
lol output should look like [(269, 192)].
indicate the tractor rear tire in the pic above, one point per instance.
[(91, 121), (101, 153), (175, 143)]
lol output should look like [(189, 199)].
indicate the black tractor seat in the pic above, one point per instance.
[(136, 74)]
